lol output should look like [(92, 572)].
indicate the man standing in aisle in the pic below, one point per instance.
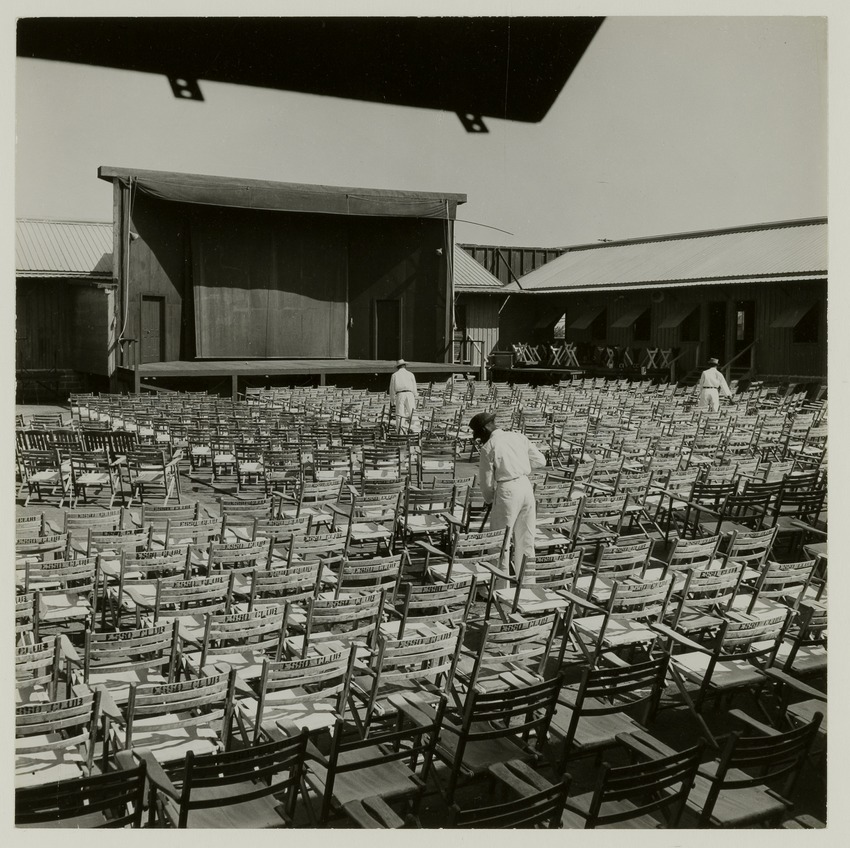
[(403, 394), (711, 384), (503, 475)]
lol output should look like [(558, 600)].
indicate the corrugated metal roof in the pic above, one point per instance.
[(63, 249), (471, 276), (745, 254)]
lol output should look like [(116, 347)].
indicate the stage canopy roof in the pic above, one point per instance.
[(285, 197)]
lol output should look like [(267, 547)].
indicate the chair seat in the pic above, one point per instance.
[(265, 812), (739, 807), (619, 631), (572, 820), (367, 531), (727, 674), (93, 479), (39, 767), (461, 571), (420, 522), (478, 756), (287, 708), (62, 606), (810, 659), (249, 664), (532, 600), (388, 780), (804, 711), (117, 681), (592, 731), (143, 595), (169, 745)]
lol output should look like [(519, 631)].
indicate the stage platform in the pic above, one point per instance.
[(157, 375)]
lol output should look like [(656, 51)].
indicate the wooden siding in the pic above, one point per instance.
[(521, 260), (397, 259), (62, 324), (41, 325), (482, 322), (775, 352), (158, 263)]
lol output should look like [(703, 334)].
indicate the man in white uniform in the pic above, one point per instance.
[(403, 395), (711, 384), (506, 462)]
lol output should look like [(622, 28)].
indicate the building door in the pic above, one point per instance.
[(153, 318), (745, 324), (387, 329), (717, 330)]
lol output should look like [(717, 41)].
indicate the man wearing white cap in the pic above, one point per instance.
[(403, 395), (711, 384), (507, 460)]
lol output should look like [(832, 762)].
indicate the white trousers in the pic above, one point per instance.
[(405, 407), (514, 507), (710, 399)]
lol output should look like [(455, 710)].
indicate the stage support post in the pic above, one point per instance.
[(234, 387), (137, 379)]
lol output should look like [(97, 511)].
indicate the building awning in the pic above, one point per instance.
[(285, 197), (677, 316), (792, 316), (630, 317), (587, 317), (547, 321)]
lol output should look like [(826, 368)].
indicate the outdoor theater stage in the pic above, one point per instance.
[(156, 375)]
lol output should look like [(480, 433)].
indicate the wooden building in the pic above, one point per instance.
[(482, 276), (64, 303), (755, 297), (217, 268)]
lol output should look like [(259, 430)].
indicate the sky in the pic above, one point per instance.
[(668, 124)]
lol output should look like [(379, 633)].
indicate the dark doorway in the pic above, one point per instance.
[(387, 329), (717, 330), (153, 311), (745, 324)]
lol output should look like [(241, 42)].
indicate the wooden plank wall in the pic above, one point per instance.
[(42, 325), (397, 258), (482, 319), (158, 267), (776, 352)]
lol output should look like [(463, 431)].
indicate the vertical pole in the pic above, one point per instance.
[(449, 322), (234, 387), (323, 379), (137, 379)]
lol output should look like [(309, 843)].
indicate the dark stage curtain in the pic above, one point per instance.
[(269, 285)]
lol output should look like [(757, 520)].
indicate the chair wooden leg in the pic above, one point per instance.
[(680, 685)]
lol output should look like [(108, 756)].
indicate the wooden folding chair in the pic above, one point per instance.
[(429, 604), (309, 693), (240, 641), (648, 794), (490, 728), (113, 661), (535, 807), (382, 768), (252, 787), (54, 740), (169, 720), (114, 799)]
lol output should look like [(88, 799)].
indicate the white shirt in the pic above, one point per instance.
[(506, 456), (711, 378), (402, 381)]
